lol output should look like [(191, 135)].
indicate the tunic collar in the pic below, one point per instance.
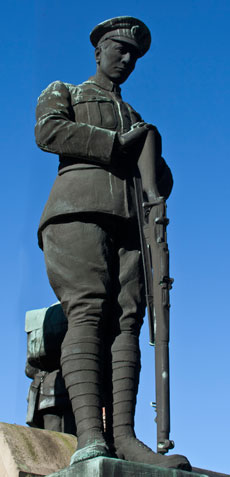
[(105, 83)]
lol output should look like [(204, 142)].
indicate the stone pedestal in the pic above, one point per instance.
[(29, 452), (107, 467)]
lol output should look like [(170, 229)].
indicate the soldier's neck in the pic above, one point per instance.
[(105, 82)]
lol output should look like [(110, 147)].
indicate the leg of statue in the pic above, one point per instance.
[(52, 422), (126, 368), (81, 367), (77, 260), (68, 422), (107, 398)]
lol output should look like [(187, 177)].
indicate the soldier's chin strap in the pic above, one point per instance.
[(153, 221)]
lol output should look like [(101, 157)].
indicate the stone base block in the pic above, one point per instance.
[(29, 452), (107, 467)]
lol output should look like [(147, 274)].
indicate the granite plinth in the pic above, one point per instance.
[(30, 452), (107, 467)]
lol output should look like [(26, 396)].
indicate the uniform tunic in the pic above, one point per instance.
[(80, 123)]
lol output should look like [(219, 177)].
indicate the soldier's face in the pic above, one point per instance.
[(116, 60)]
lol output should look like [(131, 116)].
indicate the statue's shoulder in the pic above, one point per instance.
[(61, 94), (59, 88)]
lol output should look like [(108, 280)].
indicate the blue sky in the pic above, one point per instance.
[(181, 86)]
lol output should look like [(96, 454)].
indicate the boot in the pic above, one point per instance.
[(81, 368), (126, 368)]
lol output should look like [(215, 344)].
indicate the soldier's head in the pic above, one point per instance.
[(119, 42)]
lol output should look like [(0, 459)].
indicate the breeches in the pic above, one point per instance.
[(95, 269)]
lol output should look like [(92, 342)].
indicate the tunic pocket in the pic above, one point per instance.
[(98, 112)]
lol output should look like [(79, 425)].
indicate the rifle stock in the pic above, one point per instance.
[(152, 221)]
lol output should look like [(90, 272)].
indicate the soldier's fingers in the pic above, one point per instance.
[(139, 124), (150, 126)]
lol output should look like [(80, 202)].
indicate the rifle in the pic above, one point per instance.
[(152, 220)]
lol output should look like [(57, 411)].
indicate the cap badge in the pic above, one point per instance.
[(135, 31)]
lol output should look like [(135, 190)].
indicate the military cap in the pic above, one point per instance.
[(127, 29)]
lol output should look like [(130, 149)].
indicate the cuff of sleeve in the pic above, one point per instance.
[(101, 145)]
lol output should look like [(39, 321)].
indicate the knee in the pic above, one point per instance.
[(131, 325)]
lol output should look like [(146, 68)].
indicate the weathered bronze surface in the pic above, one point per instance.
[(89, 235), (102, 466)]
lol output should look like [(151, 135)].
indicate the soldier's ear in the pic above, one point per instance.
[(98, 54)]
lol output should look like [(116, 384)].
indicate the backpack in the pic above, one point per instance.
[(46, 329)]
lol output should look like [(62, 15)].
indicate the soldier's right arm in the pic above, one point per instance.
[(57, 132), (138, 132)]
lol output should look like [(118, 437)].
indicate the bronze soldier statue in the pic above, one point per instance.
[(89, 235)]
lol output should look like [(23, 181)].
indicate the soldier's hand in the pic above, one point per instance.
[(141, 124), (137, 132)]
